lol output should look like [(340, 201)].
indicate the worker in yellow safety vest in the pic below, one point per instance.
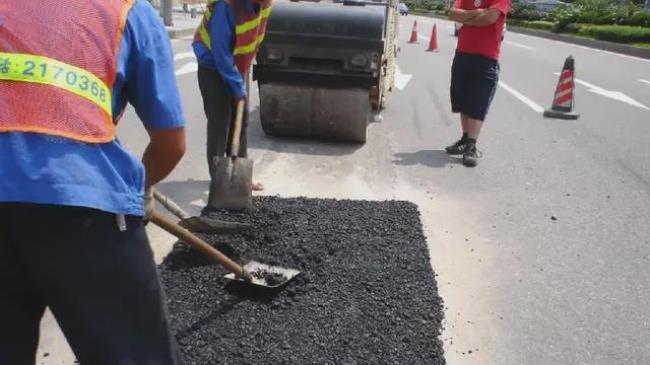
[(225, 45)]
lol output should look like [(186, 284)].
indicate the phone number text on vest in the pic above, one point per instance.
[(48, 71)]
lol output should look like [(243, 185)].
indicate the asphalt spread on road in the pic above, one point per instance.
[(366, 295)]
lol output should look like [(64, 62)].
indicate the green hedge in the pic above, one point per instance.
[(616, 33), (611, 33)]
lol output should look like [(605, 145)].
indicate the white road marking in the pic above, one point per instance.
[(585, 47), (187, 68), (645, 81), (523, 98), (198, 203), (401, 80), (616, 95), (423, 37), (184, 55), (519, 45)]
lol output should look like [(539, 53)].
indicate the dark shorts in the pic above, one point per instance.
[(474, 80), (100, 283)]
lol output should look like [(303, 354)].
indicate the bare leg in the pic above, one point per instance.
[(464, 122), (472, 127)]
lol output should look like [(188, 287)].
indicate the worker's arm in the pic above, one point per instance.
[(484, 17), (165, 150), (222, 26), (150, 86), (462, 15), (489, 16)]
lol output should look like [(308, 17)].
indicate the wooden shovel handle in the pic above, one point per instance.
[(189, 238), (236, 134), (170, 205)]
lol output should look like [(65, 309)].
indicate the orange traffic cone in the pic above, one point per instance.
[(562, 107), (414, 33), (433, 43)]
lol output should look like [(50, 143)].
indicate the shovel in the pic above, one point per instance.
[(253, 272), (231, 186), (198, 224)]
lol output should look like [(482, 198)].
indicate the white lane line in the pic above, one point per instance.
[(615, 95), (401, 80), (645, 81), (184, 55), (187, 68), (510, 43), (198, 203), (523, 98), (584, 47), (423, 37)]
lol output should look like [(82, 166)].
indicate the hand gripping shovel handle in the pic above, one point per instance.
[(189, 238), (236, 134)]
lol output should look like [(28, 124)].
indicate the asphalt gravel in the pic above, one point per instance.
[(366, 295)]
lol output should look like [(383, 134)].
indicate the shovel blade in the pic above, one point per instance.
[(266, 275), (232, 184)]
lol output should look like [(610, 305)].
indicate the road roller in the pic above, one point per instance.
[(325, 67)]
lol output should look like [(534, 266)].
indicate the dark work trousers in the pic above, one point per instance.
[(101, 285), (220, 109)]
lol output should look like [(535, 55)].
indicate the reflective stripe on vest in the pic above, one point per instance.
[(58, 67), (249, 48), (48, 71), (243, 28), (240, 29)]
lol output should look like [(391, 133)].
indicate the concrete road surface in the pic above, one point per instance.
[(542, 251)]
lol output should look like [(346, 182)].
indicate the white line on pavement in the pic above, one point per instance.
[(585, 47), (187, 68), (645, 81), (184, 55), (523, 98), (401, 80), (423, 37), (198, 203), (519, 45), (616, 95)]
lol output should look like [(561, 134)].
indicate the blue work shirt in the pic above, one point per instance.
[(43, 169), (222, 39)]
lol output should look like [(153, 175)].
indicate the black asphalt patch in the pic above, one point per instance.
[(367, 293)]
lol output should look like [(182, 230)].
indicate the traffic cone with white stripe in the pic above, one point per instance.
[(562, 107), (414, 33), (433, 43)]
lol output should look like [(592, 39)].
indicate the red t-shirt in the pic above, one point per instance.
[(486, 40)]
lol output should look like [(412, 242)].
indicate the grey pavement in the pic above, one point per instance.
[(184, 24), (542, 251)]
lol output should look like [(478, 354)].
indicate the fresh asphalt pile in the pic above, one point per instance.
[(366, 295)]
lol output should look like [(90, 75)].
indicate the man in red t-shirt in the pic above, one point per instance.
[(475, 71)]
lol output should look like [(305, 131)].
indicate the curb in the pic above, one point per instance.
[(592, 43)]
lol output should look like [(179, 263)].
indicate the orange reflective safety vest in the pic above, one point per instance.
[(58, 61), (249, 31)]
